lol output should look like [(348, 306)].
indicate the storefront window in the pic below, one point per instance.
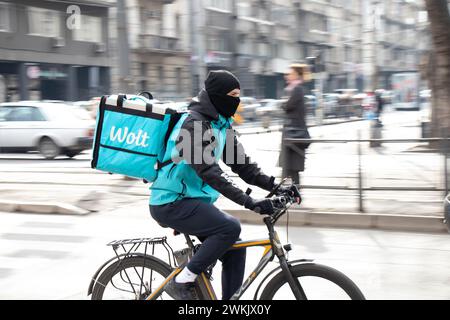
[(90, 29), (44, 22), (4, 17), (219, 4)]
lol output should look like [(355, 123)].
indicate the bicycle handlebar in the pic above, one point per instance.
[(281, 204)]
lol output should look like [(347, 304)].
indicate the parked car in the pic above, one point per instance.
[(270, 110), (90, 106), (369, 104), (386, 95), (330, 105), (349, 105), (310, 104), (249, 106), (52, 128)]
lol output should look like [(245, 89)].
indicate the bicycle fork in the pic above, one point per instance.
[(293, 281)]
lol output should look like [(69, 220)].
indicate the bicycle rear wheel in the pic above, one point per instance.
[(132, 278), (318, 283)]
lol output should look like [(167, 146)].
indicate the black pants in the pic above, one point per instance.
[(216, 230)]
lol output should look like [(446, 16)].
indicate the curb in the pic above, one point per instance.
[(351, 220), (41, 207), (296, 218)]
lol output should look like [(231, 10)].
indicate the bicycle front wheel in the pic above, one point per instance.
[(318, 283), (132, 278)]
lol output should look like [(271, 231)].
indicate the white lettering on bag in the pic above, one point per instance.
[(122, 135)]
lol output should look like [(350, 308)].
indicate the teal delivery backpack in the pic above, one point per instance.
[(131, 135)]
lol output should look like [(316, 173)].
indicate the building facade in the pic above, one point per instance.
[(245, 38), (402, 38), (159, 53), (54, 49)]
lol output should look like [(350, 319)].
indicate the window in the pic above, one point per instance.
[(4, 112), (161, 78), (22, 114), (44, 22), (218, 42), (143, 69), (348, 53), (90, 29), (219, 4), (178, 25), (4, 17), (243, 9), (179, 80)]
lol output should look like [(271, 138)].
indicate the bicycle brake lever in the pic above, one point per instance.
[(275, 189)]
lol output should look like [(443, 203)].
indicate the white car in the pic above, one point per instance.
[(52, 128), (249, 106), (269, 110)]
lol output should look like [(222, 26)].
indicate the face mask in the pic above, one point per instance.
[(226, 105)]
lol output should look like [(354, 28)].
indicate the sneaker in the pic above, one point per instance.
[(181, 291)]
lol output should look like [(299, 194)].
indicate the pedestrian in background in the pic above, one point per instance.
[(379, 105), (293, 161)]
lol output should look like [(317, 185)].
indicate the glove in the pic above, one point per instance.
[(262, 206), (292, 191)]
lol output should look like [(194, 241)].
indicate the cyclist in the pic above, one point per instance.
[(184, 192)]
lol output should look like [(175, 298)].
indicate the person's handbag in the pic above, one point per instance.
[(298, 133)]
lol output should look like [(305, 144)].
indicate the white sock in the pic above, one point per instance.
[(185, 276)]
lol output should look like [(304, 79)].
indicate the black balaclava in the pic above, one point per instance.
[(217, 85)]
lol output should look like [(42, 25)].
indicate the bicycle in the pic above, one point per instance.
[(289, 277)]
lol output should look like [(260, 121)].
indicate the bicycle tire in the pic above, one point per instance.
[(313, 270), (149, 262)]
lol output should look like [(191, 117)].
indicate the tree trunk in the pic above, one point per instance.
[(439, 17)]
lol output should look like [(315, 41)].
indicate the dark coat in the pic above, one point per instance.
[(203, 114), (294, 127)]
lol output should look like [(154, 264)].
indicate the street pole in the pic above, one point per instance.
[(319, 101), (233, 35), (123, 47), (370, 45), (360, 177), (195, 51), (374, 46)]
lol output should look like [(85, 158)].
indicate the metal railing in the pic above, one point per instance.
[(444, 150)]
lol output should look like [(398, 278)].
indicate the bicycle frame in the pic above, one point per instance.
[(272, 248)]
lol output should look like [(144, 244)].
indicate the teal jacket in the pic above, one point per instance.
[(199, 140)]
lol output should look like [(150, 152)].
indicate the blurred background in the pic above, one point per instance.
[(57, 58)]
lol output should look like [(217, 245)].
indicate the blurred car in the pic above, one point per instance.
[(52, 128), (90, 106), (237, 118), (349, 103), (310, 104), (249, 106), (369, 104), (270, 110), (330, 104), (386, 95), (358, 101)]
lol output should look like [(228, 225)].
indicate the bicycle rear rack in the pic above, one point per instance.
[(131, 246)]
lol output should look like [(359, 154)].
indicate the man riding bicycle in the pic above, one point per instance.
[(191, 181)]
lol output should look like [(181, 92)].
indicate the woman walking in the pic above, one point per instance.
[(292, 156)]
